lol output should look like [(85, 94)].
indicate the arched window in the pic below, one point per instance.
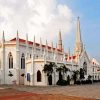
[(10, 61), (23, 61), (38, 76), (85, 68)]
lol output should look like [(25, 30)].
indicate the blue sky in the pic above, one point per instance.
[(89, 12)]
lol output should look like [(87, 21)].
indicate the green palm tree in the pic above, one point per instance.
[(62, 69), (49, 68)]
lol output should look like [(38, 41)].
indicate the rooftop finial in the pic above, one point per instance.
[(46, 43), (69, 52), (27, 37), (34, 38), (17, 34), (60, 40), (17, 31), (3, 36)]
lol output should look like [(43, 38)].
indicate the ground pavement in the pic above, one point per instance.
[(50, 92)]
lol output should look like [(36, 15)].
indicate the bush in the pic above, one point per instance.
[(95, 81), (78, 82), (86, 82), (62, 82)]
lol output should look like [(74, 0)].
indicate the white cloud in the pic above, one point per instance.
[(42, 18)]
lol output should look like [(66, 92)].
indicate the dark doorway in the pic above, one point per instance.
[(60, 76), (38, 76), (85, 68), (50, 80)]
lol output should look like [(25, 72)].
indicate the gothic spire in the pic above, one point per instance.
[(60, 41), (56, 47), (40, 42), (46, 44), (17, 37), (69, 52), (41, 45), (34, 41), (34, 45), (26, 37), (79, 43), (3, 37), (78, 33), (17, 41), (26, 41), (52, 45)]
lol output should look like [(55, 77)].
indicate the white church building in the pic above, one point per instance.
[(22, 61)]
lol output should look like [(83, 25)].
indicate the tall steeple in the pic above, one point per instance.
[(79, 43), (60, 41)]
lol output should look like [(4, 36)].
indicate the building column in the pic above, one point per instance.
[(3, 60), (17, 59)]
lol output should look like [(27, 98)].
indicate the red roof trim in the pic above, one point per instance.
[(98, 70), (37, 44)]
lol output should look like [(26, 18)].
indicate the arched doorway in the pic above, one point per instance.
[(50, 79), (38, 76)]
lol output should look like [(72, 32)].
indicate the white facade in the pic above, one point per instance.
[(21, 61)]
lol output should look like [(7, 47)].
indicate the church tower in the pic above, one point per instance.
[(79, 43), (60, 41)]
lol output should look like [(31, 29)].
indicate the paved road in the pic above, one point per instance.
[(86, 91)]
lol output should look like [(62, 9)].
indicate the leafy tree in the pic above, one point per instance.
[(49, 68), (62, 69)]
